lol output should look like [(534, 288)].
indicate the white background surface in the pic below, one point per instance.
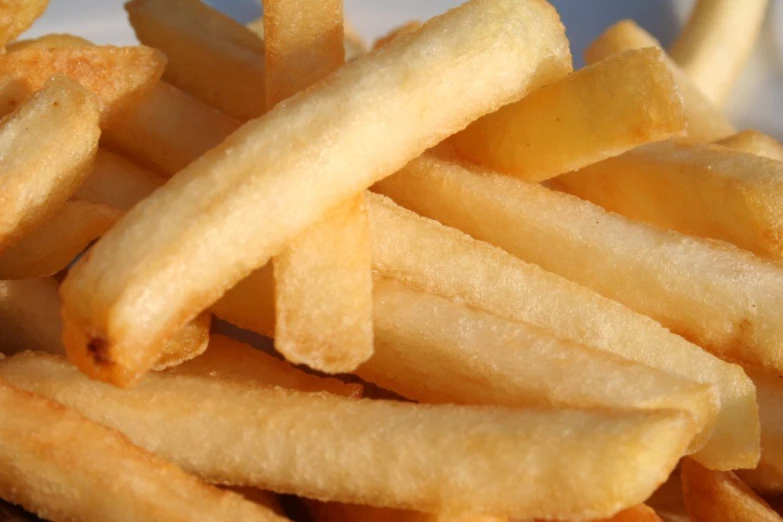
[(757, 101)]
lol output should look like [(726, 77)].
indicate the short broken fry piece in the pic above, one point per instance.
[(754, 142)]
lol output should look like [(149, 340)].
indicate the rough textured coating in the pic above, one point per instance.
[(542, 463)]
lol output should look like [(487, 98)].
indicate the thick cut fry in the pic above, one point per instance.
[(700, 190), (323, 281), (46, 150), (118, 76), (16, 16), (436, 351), (336, 512), (715, 496), (30, 320), (211, 57), (117, 182), (756, 143), (49, 40), (705, 121), (245, 202), (52, 246), (234, 361), (62, 466), (406, 28), (529, 463), (598, 112), (768, 476), (716, 42), (715, 295)]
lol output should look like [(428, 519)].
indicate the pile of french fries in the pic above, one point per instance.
[(499, 289)]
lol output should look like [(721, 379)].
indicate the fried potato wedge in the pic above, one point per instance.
[(248, 203), (210, 56), (715, 496), (337, 512), (715, 295), (716, 42), (705, 121), (30, 320), (118, 76), (44, 445), (754, 142), (603, 110), (16, 16), (578, 464), (768, 476), (699, 190), (46, 150), (53, 245)]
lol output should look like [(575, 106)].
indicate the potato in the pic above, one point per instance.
[(116, 182), (49, 40), (16, 16), (754, 142), (601, 111), (406, 28), (337, 512), (576, 464), (640, 513)]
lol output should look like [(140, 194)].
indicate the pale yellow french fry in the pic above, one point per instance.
[(715, 295), (62, 466), (46, 150), (54, 244), (250, 203), (756, 143), (211, 56), (16, 16), (49, 40), (323, 280), (700, 190), (577, 464), (601, 111), (705, 121), (715, 496), (117, 182), (30, 320), (406, 28), (118, 76), (337, 512), (716, 42)]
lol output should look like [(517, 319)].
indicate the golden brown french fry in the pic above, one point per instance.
[(756, 143), (577, 464), (720, 496), (46, 149), (234, 361), (715, 295), (406, 28), (250, 203), (62, 466), (353, 42), (337, 512), (118, 76), (211, 56), (117, 182), (49, 40), (705, 121), (603, 110), (16, 16), (716, 42), (700, 190), (30, 320), (323, 280), (53, 245), (667, 500)]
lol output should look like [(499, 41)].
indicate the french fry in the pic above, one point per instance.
[(117, 182), (756, 143), (323, 280), (49, 40), (234, 361), (715, 496), (716, 42), (44, 445), (118, 76), (353, 43), (705, 121), (598, 112), (30, 320), (577, 464), (50, 247), (640, 513), (250, 304), (406, 28), (337, 512), (17, 16), (250, 203), (717, 296), (211, 57), (667, 500), (700, 190), (46, 149)]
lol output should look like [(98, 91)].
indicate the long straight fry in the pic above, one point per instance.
[(46, 150), (247, 202), (529, 463), (754, 142), (62, 466), (117, 182), (705, 121), (323, 281)]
